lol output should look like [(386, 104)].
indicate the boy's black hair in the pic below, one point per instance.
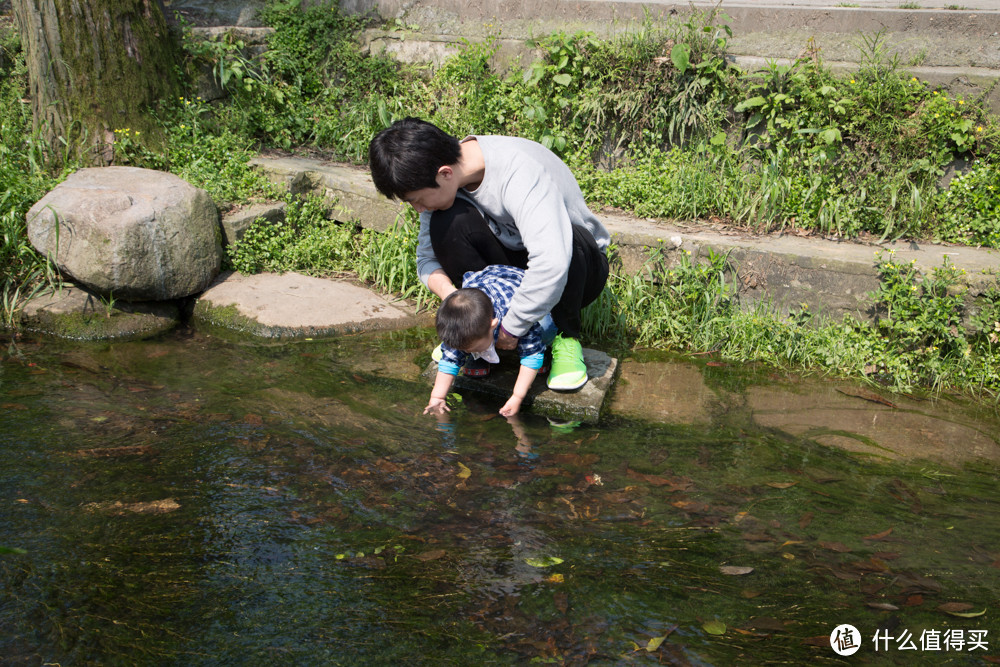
[(464, 316), (406, 156)]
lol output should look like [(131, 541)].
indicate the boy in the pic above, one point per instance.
[(499, 200), (468, 322)]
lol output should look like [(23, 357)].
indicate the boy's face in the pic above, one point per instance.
[(484, 342), (435, 199)]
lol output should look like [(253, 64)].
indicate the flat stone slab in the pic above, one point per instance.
[(584, 405), (291, 305), (77, 313)]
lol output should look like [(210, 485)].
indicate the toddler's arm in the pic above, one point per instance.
[(439, 394), (525, 376)]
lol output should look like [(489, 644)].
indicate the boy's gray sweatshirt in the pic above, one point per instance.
[(529, 198)]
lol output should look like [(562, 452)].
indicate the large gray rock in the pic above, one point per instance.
[(136, 234)]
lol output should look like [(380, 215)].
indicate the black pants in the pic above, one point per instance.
[(463, 241)]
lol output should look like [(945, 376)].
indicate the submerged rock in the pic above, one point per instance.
[(77, 313)]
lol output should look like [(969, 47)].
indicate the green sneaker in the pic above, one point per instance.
[(568, 370)]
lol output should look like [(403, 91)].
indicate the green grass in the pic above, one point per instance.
[(23, 180), (651, 121)]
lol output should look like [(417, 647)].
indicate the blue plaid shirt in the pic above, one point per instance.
[(499, 282)]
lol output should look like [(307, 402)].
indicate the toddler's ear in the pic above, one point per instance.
[(494, 323)]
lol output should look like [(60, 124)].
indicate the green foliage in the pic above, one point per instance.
[(969, 209), (306, 241), (23, 181), (669, 303), (388, 260), (921, 337), (200, 149)]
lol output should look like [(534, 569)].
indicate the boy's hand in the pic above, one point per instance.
[(437, 406), (505, 341), (511, 407)]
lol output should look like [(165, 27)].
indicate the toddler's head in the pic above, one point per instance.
[(465, 320)]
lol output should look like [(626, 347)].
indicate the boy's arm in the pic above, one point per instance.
[(525, 376), (439, 394), (439, 283)]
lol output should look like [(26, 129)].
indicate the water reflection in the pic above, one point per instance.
[(191, 501)]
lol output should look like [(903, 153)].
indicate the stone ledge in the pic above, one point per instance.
[(584, 405), (76, 313), (785, 270), (291, 305)]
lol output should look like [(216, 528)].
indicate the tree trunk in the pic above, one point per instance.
[(95, 66)]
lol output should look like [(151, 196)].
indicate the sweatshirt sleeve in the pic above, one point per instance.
[(544, 224), (427, 261)]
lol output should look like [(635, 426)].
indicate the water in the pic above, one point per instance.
[(196, 501)]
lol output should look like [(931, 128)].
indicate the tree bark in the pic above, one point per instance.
[(95, 66)]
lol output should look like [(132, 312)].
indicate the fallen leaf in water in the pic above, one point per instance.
[(714, 627), (544, 561), (255, 420), (433, 554), (757, 537), (659, 480), (735, 569), (152, 507), (781, 485), (576, 459), (835, 546), (463, 471), (879, 536), (13, 550), (952, 607), (749, 594), (767, 623), (13, 406), (124, 450), (556, 578), (790, 542), (654, 643), (882, 606), (971, 614)]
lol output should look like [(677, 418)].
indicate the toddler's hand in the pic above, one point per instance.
[(437, 406), (511, 407)]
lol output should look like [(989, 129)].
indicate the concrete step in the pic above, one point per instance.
[(955, 49), (831, 277), (584, 405)]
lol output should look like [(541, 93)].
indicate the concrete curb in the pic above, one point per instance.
[(831, 277), (956, 49)]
